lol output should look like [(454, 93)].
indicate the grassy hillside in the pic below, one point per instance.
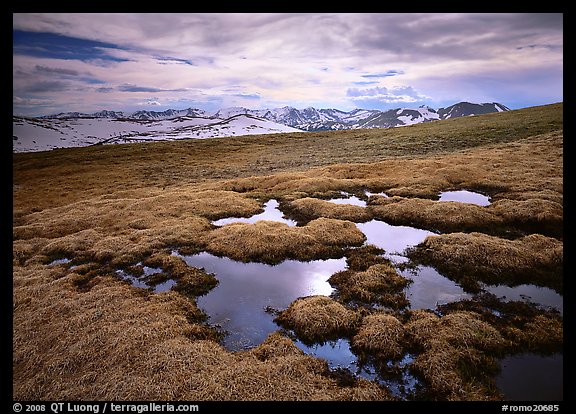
[(81, 333), (57, 177)]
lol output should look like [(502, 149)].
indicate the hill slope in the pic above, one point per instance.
[(75, 129), (113, 209)]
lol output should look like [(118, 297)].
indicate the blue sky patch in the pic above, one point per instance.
[(55, 46), (384, 74)]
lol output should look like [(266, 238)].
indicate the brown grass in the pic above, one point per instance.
[(455, 362), (379, 284), (306, 209), (318, 319), (524, 326), (81, 334), (116, 343), (433, 215), (273, 242), (380, 334), (125, 230), (469, 258), (361, 258)]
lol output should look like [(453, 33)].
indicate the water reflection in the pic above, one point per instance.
[(465, 196), (141, 282), (370, 193), (430, 289), (542, 296), (339, 355), (393, 239), (353, 200), (238, 303), (531, 377), (270, 213)]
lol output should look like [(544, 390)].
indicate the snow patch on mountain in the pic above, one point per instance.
[(71, 129), (33, 134)]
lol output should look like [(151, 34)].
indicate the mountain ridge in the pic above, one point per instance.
[(74, 129), (309, 118)]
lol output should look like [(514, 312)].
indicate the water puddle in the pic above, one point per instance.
[(381, 194), (141, 282), (238, 304), (393, 239), (353, 200), (244, 303), (542, 296), (430, 289), (338, 355), (465, 196), (59, 261), (270, 213), (531, 377)]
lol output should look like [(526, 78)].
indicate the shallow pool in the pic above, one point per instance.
[(338, 355), (140, 281), (393, 239), (353, 200), (270, 213), (465, 196), (541, 296), (430, 289), (238, 304), (532, 377)]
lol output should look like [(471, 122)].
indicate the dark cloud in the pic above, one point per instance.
[(46, 86), (452, 35), (135, 88), (56, 71), (172, 60), (127, 87)]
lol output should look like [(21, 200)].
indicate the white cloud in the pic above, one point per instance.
[(396, 94), (297, 59)]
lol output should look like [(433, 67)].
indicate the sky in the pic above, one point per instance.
[(155, 61)]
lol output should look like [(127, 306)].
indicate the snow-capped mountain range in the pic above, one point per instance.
[(73, 129)]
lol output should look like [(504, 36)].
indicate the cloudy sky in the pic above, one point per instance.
[(127, 62)]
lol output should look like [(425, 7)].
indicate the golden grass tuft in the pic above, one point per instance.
[(540, 333), (379, 284), (276, 345), (525, 327), (318, 319), (380, 334), (273, 242), (474, 257), (361, 258), (428, 214), (455, 360), (533, 215), (306, 209)]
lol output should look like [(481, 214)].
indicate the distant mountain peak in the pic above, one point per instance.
[(311, 118)]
